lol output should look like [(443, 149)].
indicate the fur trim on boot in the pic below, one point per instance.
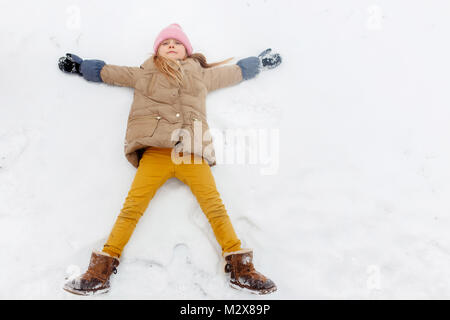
[(96, 279), (242, 274)]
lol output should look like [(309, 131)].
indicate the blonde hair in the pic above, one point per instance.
[(164, 65)]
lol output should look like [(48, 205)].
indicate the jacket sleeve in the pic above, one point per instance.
[(221, 77), (120, 75)]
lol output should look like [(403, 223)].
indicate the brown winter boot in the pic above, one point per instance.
[(96, 279), (243, 275)]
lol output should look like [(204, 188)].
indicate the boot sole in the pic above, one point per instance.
[(84, 292), (246, 289)]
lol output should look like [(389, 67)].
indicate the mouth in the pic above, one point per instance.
[(171, 52)]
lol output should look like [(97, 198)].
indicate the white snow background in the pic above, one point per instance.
[(359, 205)]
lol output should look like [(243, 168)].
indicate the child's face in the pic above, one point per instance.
[(172, 49)]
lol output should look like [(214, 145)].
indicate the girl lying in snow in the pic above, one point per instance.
[(169, 103)]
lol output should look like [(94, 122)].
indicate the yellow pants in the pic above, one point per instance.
[(155, 167)]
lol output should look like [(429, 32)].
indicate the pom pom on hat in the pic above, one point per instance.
[(173, 31)]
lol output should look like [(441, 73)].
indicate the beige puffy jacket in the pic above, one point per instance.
[(160, 107)]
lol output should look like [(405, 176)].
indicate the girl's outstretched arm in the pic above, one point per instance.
[(221, 77), (120, 75), (99, 71)]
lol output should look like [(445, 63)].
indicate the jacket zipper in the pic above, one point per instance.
[(145, 117)]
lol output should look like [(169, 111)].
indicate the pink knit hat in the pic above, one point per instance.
[(173, 31)]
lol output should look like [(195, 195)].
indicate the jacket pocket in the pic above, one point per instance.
[(142, 126)]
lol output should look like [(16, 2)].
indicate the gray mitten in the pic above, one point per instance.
[(89, 69), (252, 66), (269, 60)]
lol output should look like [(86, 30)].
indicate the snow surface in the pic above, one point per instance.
[(357, 209)]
